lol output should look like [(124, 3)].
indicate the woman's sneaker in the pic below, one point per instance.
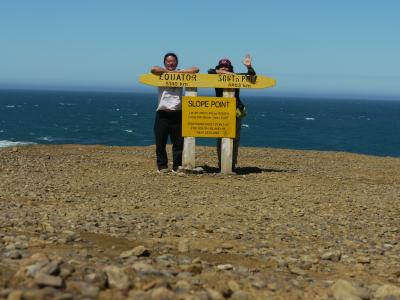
[(163, 171)]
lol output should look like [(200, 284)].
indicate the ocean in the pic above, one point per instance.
[(126, 119)]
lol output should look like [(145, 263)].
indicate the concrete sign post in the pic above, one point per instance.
[(189, 143), (208, 116)]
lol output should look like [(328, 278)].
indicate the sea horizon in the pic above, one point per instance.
[(364, 126)]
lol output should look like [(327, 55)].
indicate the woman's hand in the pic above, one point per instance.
[(247, 61)]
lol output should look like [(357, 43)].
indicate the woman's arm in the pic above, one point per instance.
[(188, 70), (156, 70)]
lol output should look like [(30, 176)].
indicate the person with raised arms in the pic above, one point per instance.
[(168, 119), (225, 67)]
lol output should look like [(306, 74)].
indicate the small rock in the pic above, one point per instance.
[(183, 246), (387, 291), (69, 235), (98, 279), (182, 286), (272, 286), (117, 278), (331, 255), (52, 268), (14, 254), (226, 246), (344, 290), (139, 251), (162, 293), (43, 279), (363, 260), (143, 267), (239, 295), (297, 271), (193, 268), (138, 295), (15, 295), (225, 267), (214, 295), (259, 283), (233, 285)]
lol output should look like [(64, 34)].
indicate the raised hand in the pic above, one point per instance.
[(247, 61)]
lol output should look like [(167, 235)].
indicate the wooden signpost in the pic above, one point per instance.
[(228, 81), (208, 116)]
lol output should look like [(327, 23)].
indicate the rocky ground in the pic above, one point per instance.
[(94, 222)]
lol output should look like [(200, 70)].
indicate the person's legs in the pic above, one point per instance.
[(219, 140), (161, 137), (175, 128)]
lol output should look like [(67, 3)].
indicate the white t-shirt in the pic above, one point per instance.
[(169, 98)]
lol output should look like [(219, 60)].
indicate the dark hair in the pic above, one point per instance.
[(171, 54), (230, 68)]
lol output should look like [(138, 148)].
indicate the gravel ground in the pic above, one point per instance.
[(97, 222)]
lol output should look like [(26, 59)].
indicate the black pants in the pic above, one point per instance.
[(168, 124)]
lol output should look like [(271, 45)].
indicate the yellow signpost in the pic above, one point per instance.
[(228, 81), (208, 117)]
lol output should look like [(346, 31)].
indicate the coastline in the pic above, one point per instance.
[(291, 224)]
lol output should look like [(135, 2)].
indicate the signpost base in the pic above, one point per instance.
[(226, 155), (189, 143), (227, 143)]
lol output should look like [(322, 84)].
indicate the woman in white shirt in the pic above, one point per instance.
[(168, 120)]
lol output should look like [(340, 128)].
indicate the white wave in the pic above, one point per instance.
[(309, 119), (1, 131), (10, 106), (245, 126), (5, 143), (46, 138), (128, 130), (134, 114)]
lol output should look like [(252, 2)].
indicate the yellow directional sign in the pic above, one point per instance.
[(208, 117), (232, 81)]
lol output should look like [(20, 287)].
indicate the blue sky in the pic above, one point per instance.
[(311, 47)]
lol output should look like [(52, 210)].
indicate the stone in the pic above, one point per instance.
[(52, 268), (15, 295), (182, 286), (331, 255), (225, 267), (162, 293), (239, 295), (259, 283), (13, 254), (387, 291), (233, 285), (116, 278), (98, 279), (138, 295), (297, 271), (363, 259), (226, 246), (43, 279), (344, 290), (183, 246), (214, 294), (69, 235), (139, 251), (144, 268)]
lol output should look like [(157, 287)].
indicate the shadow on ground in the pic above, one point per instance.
[(246, 170)]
